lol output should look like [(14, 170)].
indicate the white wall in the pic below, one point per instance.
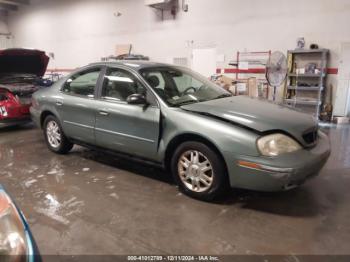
[(83, 31), (3, 26), (5, 38)]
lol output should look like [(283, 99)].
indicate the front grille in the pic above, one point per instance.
[(310, 137)]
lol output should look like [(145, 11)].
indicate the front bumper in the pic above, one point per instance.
[(279, 173)]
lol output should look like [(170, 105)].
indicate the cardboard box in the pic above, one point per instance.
[(252, 87)]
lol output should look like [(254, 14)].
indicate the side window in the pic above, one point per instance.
[(120, 84), (82, 84)]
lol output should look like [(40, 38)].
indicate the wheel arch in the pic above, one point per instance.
[(43, 116), (189, 137)]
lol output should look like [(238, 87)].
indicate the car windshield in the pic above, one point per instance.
[(179, 86)]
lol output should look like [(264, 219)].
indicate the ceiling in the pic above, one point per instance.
[(7, 6)]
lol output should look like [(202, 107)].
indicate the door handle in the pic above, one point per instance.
[(59, 103), (103, 113)]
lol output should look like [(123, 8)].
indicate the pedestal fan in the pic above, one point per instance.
[(276, 71)]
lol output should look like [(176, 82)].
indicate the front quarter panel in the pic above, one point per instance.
[(236, 143), (227, 137)]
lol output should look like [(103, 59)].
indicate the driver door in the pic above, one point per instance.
[(132, 129)]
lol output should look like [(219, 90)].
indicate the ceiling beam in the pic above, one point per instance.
[(15, 2), (8, 7)]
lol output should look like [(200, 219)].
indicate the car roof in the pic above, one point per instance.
[(134, 64)]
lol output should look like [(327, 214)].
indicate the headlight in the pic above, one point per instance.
[(12, 230), (3, 111), (277, 144)]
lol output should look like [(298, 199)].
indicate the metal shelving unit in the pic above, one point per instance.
[(252, 65), (308, 102), (306, 75), (304, 88)]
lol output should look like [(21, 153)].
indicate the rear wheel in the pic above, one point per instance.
[(54, 136), (199, 171)]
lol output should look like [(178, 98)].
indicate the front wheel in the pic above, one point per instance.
[(199, 171), (54, 136)]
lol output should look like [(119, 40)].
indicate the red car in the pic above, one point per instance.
[(20, 71)]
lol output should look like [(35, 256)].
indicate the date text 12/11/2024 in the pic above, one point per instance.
[(174, 258)]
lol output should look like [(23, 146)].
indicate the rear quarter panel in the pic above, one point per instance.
[(46, 98)]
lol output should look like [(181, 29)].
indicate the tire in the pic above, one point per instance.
[(204, 178), (60, 143)]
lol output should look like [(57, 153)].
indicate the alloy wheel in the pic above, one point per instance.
[(53, 134), (196, 171)]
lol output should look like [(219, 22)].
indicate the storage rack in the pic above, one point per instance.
[(258, 60), (304, 90), (255, 65)]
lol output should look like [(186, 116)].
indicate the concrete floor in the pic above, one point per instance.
[(91, 203)]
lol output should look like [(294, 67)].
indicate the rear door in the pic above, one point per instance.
[(122, 127), (77, 105)]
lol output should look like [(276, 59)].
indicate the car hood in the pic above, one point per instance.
[(259, 115), (23, 61)]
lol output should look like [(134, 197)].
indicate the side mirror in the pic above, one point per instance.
[(136, 99)]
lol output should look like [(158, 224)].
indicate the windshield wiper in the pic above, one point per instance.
[(194, 101), (222, 96), (186, 102), (198, 101)]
